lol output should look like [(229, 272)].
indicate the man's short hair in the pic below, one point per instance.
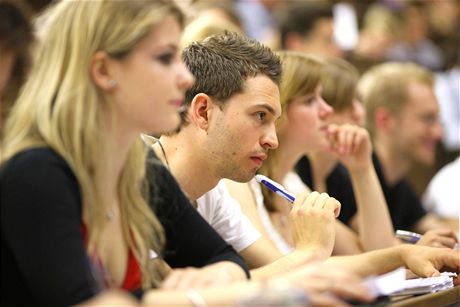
[(222, 63), (302, 18), (386, 85)]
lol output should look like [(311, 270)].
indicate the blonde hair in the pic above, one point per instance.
[(61, 107), (301, 74), (339, 80), (386, 85)]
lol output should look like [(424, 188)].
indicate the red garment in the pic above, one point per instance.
[(132, 280)]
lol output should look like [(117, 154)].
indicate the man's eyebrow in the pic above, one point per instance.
[(269, 108)]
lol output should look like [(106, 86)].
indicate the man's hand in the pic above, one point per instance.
[(428, 261), (326, 284), (312, 221), (219, 274), (439, 238)]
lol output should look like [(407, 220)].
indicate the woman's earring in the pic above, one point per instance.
[(111, 83)]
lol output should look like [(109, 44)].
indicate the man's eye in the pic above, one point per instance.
[(261, 116)]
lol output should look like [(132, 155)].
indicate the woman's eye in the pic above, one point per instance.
[(166, 58)]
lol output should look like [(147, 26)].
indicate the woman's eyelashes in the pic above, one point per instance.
[(166, 58)]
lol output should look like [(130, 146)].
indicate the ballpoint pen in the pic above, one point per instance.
[(275, 187), (408, 236)]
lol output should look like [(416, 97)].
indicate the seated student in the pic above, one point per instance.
[(75, 220), (229, 126), (240, 74), (322, 171), (304, 129), (402, 116)]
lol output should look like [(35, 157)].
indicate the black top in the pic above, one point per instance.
[(403, 203), (191, 241), (338, 185), (43, 256)]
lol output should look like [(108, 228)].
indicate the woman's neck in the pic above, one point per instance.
[(322, 164), (288, 154)]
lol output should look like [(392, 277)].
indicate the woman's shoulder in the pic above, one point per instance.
[(39, 162), (33, 157)]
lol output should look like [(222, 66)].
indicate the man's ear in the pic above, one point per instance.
[(101, 71), (200, 109), (383, 119)]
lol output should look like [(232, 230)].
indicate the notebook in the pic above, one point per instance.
[(395, 283)]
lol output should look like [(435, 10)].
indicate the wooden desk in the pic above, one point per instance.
[(450, 297)]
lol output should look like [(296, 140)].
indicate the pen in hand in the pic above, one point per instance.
[(408, 236), (275, 187)]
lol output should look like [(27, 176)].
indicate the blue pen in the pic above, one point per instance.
[(275, 187)]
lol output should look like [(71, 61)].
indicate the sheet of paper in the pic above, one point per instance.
[(395, 283)]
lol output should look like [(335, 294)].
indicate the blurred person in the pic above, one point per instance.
[(413, 44), (16, 40), (402, 115), (323, 171), (211, 20), (309, 27), (258, 18)]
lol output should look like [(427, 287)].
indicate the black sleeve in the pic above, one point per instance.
[(339, 186), (190, 240), (413, 211), (44, 261)]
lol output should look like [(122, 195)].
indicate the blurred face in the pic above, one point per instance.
[(355, 114), (151, 81), (240, 135), (418, 128), (307, 117), (321, 39)]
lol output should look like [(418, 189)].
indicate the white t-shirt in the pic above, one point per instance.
[(442, 196), (224, 214), (283, 246)]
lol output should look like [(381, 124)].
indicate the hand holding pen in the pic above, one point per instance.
[(434, 238), (312, 218)]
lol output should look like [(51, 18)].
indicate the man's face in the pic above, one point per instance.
[(321, 39), (240, 135), (418, 129)]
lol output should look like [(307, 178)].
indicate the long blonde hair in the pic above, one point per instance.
[(61, 107), (301, 74)]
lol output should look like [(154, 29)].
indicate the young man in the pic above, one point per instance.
[(403, 119), (227, 133), (228, 129)]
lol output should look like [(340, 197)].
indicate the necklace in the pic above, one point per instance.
[(109, 215), (163, 152)]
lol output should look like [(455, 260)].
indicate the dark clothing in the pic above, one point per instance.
[(191, 241), (404, 205), (43, 255), (338, 185)]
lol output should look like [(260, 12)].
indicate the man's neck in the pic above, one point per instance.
[(190, 169), (394, 166)]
